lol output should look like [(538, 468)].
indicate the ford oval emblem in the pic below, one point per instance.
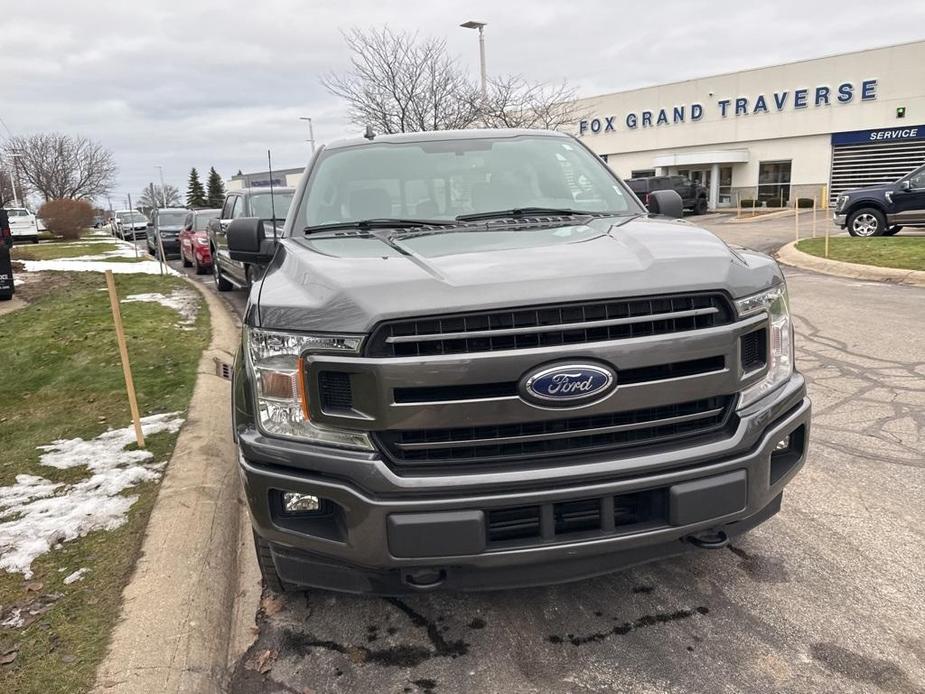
[(568, 384)]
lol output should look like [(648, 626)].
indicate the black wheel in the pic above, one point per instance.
[(6, 297), (700, 207), (268, 568), (200, 270), (866, 222), (35, 239), (221, 284), (893, 230), (186, 263)]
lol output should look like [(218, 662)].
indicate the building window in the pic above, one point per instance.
[(774, 181), (725, 185), (642, 173)]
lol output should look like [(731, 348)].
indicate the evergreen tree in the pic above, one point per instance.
[(195, 193), (215, 195)]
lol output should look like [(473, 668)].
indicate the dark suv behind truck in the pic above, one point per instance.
[(693, 195), (885, 209), (475, 361)]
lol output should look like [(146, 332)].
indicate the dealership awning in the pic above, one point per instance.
[(714, 156)]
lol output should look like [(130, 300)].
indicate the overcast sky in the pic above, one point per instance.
[(202, 83)]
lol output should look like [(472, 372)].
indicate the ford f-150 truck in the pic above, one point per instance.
[(474, 360), (883, 210)]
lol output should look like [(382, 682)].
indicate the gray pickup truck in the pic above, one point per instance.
[(475, 360)]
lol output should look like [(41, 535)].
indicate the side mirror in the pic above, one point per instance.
[(666, 203), (247, 241), (906, 185)]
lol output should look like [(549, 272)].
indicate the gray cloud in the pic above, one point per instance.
[(201, 83)]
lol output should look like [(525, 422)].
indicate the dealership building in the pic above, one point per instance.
[(806, 129)]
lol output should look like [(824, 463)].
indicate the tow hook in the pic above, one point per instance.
[(710, 539), (424, 579)]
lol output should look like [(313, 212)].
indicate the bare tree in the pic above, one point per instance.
[(63, 166), (153, 197), (403, 83), (514, 102)]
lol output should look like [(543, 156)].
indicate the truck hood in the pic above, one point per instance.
[(868, 190), (347, 282)]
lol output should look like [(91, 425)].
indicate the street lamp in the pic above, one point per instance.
[(163, 189), (481, 27), (311, 134)]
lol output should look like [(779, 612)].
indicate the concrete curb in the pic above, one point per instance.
[(185, 606), (789, 255)]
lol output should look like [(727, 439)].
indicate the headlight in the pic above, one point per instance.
[(780, 358), (274, 360), (841, 202)]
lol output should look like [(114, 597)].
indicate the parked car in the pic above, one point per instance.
[(885, 209), (693, 195), (129, 224), (23, 225), (166, 225), (450, 377), (250, 202), (194, 240)]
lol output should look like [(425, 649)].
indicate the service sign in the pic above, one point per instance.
[(783, 100)]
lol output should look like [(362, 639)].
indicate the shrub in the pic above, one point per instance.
[(774, 203), (67, 217), (804, 202), (748, 203)]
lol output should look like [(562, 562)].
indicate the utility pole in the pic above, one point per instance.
[(13, 177), (311, 134), (481, 27), (163, 189)]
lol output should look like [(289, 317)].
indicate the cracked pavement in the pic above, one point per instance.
[(829, 595)]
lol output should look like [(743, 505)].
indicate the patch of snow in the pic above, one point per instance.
[(74, 577), (14, 620), (145, 267), (183, 301), (37, 514)]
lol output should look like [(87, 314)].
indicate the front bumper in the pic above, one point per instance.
[(422, 535), (840, 220)]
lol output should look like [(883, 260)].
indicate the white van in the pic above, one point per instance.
[(23, 225)]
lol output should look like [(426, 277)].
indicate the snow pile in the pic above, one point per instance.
[(144, 267), (36, 514), (74, 577), (183, 301)]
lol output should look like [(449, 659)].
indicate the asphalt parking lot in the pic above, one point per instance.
[(828, 596)]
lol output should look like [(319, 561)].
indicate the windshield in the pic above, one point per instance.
[(260, 205), (444, 179), (129, 217), (170, 219), (15, 212), (201, 220)]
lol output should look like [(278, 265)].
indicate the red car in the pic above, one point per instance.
[(194, 241)]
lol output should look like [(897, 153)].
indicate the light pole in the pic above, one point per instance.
[(163, 189), (311, 134), (481, 27), (14, 156)]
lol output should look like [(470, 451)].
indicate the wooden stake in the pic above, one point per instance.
[(796, 222), (123, 352), (814, 217), (826, 240)]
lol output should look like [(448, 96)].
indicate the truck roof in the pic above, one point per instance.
[(436, 135)]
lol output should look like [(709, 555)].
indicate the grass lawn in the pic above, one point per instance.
[(53, 251), (904, 252), (62, 379)]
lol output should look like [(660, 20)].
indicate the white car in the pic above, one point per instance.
[(23, 225), (130, 223)]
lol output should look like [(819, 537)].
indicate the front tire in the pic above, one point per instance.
[(700, 207), (221, 284), (267, 568), (866, 222), (893, 230)]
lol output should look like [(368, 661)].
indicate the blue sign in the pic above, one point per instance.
[(569, 382), (797, 99), (898, 134)]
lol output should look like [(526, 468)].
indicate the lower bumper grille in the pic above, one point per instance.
[(462, 446)]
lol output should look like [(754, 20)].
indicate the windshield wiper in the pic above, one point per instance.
[(379, 223), (529, 211)]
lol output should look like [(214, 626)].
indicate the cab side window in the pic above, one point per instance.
[(229, 206), (238, 209), (917, 180)]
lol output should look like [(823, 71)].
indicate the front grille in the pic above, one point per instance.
[(541, 439), (477, 391), (754, 348), (563, 520), (549, 325), (335, 391)]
